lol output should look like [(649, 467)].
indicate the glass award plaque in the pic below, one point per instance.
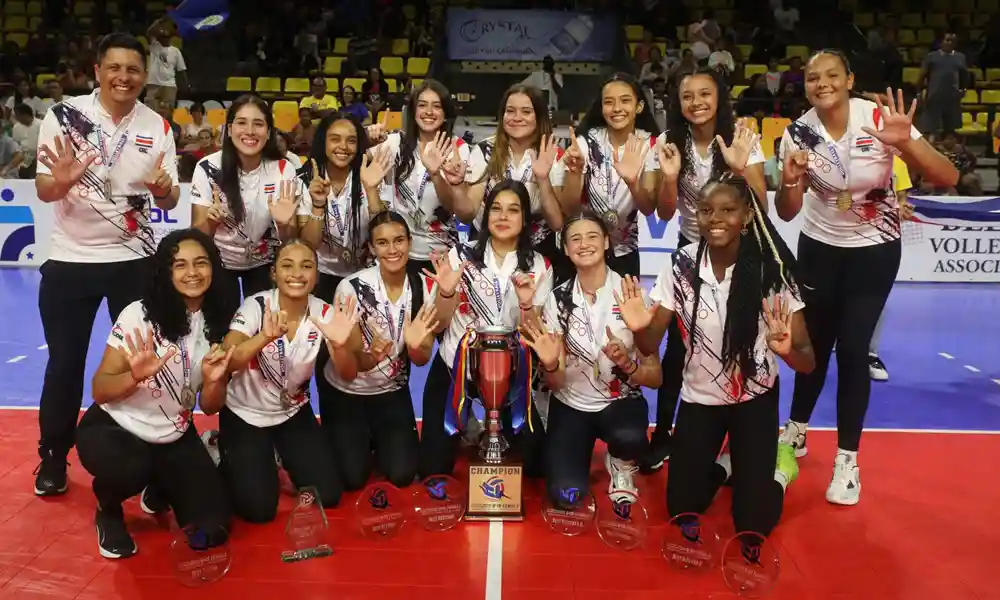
[(621, 520), (307, 530), (690, 545), (380, 512), (439, 503), (199, 555), (571, 512), (750, 565)]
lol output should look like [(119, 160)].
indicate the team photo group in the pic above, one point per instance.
[(345, 270)]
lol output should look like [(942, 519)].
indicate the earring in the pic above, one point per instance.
[(743, 231)]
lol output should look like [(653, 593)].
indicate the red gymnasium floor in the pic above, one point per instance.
[(927, 529)]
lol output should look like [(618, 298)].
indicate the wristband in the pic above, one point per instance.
[(443, 295), (791, 185)]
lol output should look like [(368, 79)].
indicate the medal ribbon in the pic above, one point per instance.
[(835, 159), (282, 367), (185, 363)]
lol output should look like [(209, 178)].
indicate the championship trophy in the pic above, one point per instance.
[(200, 555), (307, 528), (498, 367), (690, 544)]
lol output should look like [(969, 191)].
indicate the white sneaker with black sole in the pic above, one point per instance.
[(845, 487), (876, 368), (113, 539), (794, 434), (622, 483)]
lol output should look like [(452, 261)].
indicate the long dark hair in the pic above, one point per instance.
[(411, 132), (564, 293), (764, 266), (164, 306), (230, 156), (317, 154), (842, 57), (387, 217), (496, 165), (679, 129), (594, 117), (525, 249)]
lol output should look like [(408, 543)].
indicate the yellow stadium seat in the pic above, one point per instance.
[(42, 78), (911, 75), (418, 66), (391, 65), (296, 85), (937, 20), (34, 23), (15, 23), (990, 97), (409, 12), (864, 20), (914, 20), (751, 70), (182, 116), (216, 117), (238, 84), (392, 85), (268, 85), (142, 40), (332, 85), (416, 82), (34, 9), (972, 125), (83, 9), (21, 39), (752, 122), (736, 91), (331, 66), (926, 36), (633, 33), (771, 129), (286, 114), (393, 120), (354, 82), (340, 45), (970, 97), (400, 46)]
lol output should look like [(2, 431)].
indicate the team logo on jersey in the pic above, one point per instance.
[(269, 188), (312, 338), (118, 333), (864, 143), (617, 312), (144, 143)]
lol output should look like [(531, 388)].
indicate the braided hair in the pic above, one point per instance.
[(764, 266)]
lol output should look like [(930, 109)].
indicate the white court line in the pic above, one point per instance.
[(946, 355), (43, 347), (494, 562), (16, 359), (971, 368), (996, 381)]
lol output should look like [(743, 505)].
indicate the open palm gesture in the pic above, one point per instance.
[(345, 316), (630, 166), (543, 158), (283, 211), (670, 160), (374, 168), (215, 365), (63, 166), (779, 325), (142, 359), (744, 141), (446, 277), (436, 152), (419, 330), (896, 125), (546, 344), (636, 315), (273, 325)]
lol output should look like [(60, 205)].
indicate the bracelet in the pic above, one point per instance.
[(316, 217), (451, 295), (791, 185), (528, 307)]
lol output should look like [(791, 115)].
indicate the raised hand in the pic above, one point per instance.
[(546, 344), (216, 212), (158, 181), (454, 168), (379, 349), (319, 187), (215, 365), (283, 211), (418, 331), (744, 141), (524, 287), (670, 160), (779, 325), (896, 125), (345, 316), (573, 159), (794, 166), (62, 163), (905, 209), (142, 359), (446, 277), (273, 325), (615, 350), (376, 134), (636, 315), (633, 160), (375, 167), (543, 158), (436, 152)]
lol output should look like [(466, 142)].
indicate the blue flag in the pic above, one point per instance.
[(193, 16)]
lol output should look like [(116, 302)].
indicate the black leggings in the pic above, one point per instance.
[(844, 290), (673, 375), (694, 478), (68, 299), (571, 434), (438, 449), (357, 425), (182, 470), (250, 471), (253, 281)]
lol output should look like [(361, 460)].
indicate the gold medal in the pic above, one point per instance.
[(286, 399), (611, 218), (844, 200), (107, 189), (188, 398), (345, 257)]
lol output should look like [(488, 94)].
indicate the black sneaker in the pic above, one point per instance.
[(658, 453), (50, 476), (113, 539), (152, 501)]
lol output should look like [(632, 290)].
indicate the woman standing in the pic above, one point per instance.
[(498, 280), (837, 165), (372, 412), (738, 309), (246, 197), (162, 358), (590, 363), (704, 140), (276, 336), (611, 166)]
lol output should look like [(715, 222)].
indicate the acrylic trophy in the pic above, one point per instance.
[(307, 530), (690, 545), (439, 503), (570, 512), (750, 565), (200, 555), (621, 520), (380, 511)]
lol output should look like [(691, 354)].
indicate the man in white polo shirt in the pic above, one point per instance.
[(103, 160)]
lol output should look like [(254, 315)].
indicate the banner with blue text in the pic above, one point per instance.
[(530, 35)]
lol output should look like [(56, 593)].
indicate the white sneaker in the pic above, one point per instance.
[(876, 368), (622, 480), (845, 487), (794, 434)]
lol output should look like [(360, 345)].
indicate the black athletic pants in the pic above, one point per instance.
[(673, 375), (694, 477), (251, 474), (438, 449), (844, 290), (68, 299), (571, 434), (384, 424), (182, 470), (253, 281)]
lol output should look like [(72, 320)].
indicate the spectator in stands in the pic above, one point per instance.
[(25, 133), (547, 80), (201, 146), (321, 103), (303, 132), (945, 76), (24, 93), (791, 104), (794, 75), (969, 183), (756, 100), (54, 92), (284, 139), (354, 105), (773, 75), (167, 70), (657, 66), (771, 168), (192, 132), (11, 156), (643, 50), (374, 92), (71, 77), (722, 60), (786, 19)]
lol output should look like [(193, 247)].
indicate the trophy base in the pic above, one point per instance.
[(321, 551), (495, 492)]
